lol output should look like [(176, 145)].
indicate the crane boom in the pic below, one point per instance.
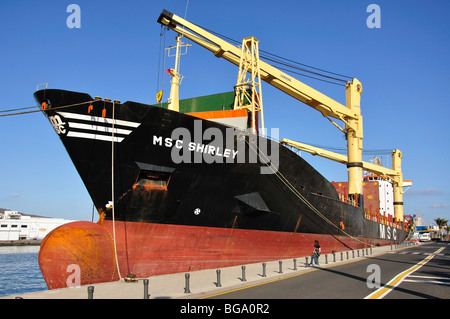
[(287, 84), (349, 114), (343, 159)]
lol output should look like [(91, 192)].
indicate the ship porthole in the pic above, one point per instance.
[(197, 211)]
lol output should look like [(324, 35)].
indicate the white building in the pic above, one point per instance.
[(386, 197), (15, 226)]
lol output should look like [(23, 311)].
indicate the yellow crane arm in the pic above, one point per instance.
[(343, 159), (287, 84), (395, 173), (428, 227)]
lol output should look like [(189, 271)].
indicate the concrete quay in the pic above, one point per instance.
[(204, 283), (30, 242)]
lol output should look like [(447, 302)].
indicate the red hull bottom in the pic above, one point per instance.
[(85, 251)]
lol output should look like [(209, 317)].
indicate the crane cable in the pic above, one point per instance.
[(286, 182), (342, 78), (342, 150)]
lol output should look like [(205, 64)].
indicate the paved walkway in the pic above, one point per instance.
[(203, 282)]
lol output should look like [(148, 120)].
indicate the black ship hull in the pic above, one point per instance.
[(144, 164)]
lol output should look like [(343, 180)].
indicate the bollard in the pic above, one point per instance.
[(367, 251), (362, 252), (295, 264), (326, 259), (357, 253), (264, 269), (334, 257), (280, 263), (306, 258), (371, 250), (218, 284), (186, 288), (353, 254), (342, 256), (90, 292), (146, 295), (347, 255), (243, 273)]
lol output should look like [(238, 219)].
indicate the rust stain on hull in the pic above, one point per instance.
[(86, 245)]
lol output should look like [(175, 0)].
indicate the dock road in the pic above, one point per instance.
[(415, 272), (409, 271)]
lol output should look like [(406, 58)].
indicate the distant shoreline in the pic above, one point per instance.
[(20, 242)]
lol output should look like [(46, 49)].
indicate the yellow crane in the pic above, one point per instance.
[(395, 173), (247, 59), (422, 221)]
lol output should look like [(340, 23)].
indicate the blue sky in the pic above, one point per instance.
[(403, 66)]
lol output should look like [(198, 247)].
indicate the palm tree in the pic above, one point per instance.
[(441, 223)]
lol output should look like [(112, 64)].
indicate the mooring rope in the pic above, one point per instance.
[(112, 191), (41, 110)]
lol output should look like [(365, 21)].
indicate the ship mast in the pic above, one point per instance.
[(173, 101), (248, 86)]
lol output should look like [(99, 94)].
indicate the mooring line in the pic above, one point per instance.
[(112, 192)]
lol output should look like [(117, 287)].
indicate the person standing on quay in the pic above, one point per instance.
[(316, 253)]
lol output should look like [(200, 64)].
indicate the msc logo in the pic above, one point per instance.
[(57, 124), (387, 232)]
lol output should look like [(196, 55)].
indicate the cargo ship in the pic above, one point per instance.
[(193, 186)]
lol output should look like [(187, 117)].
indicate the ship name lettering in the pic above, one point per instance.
[(195, 147), (179, 144), (210, 145), (157, 139), (387, 232), (382, 231)]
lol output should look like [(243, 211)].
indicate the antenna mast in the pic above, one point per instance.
[(173, 101)]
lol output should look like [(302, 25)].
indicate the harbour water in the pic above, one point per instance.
[(19, 270)]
